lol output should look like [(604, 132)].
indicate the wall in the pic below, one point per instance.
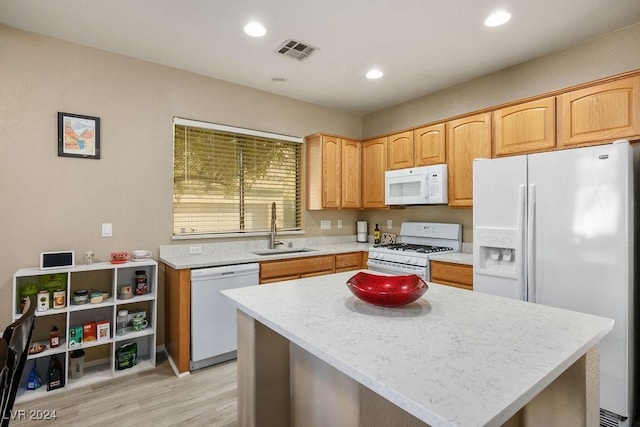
[(605, 56), (53, 203), (598, 58)]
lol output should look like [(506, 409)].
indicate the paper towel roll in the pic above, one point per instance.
[(361, 231)]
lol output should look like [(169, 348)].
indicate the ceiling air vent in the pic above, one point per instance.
[(296, 50)]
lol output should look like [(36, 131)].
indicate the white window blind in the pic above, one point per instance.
[(225, 179)]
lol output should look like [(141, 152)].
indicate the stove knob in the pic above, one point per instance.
[(413, 261), (407, 260), (373, 255)]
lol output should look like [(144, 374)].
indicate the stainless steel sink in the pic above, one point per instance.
[(282, 251)]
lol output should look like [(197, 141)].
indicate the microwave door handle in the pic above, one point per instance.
[(426, 188)]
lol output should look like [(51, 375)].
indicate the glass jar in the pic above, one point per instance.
[(140, 282), (121, 322)]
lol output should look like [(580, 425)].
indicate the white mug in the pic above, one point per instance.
[(88, 257)]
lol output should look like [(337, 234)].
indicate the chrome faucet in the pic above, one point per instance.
[(273, 242)]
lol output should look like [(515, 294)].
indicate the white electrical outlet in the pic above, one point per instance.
[(195, 250), (107, 230), (389, 224), (339, 223), (325, 224)]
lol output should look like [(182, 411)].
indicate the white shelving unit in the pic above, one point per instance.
[(100, 356)]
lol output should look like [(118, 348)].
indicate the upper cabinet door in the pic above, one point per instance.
[(351, 174), (331, 164), (525, 128), (468, 138), (600, 113), (374, 165), (400, 148), (429, 145)]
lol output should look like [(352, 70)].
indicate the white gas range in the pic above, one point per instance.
[(416, 243)]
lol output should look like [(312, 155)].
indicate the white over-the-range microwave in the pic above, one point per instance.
[(424, 185)]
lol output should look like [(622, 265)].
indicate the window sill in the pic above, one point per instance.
[(235, 235)]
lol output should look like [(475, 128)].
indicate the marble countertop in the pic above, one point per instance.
[(215, 255), (220, 255), (452, 358)]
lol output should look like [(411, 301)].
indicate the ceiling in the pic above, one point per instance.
[(421, 46)]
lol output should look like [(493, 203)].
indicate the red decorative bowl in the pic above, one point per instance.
[(387, 291)]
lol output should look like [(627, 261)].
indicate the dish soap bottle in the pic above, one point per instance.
[(376, 235)]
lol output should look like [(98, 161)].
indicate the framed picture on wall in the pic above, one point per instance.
[(78, 136)]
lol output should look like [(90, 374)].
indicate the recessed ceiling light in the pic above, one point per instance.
[(255, 29), (497, 18), (279, 79), (374, 74)]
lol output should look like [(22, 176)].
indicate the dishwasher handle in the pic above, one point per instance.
[(224, 271)]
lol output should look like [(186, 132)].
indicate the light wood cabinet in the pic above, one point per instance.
[(525, 128), (349, 261), (374, 165), (600, 113), (468, 138), (452, 274), (400, 151), (429, 145), (323, 172), (351, 194), (334, 173), (294, 268)]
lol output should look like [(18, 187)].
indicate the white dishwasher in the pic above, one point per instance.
[(213, 317)]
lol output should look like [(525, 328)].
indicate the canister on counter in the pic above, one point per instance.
[(59, 298)]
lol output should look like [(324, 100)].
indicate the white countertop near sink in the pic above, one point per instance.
[(218, 254)]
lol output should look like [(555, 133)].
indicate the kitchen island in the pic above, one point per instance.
[(311, 353)]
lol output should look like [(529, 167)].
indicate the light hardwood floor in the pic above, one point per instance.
[(157, 397)]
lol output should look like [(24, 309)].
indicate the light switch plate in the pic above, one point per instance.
[(325, 224), (339, 223), (107, 230), (389, 224), (195, 250)]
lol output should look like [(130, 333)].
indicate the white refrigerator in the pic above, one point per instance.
[(557, 228)]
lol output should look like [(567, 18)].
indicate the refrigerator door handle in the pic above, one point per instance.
[(531, 268), (521, 233)]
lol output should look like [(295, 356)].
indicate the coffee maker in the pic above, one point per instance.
[(362, 231)]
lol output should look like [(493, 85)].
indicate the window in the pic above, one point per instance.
[(225, 179)]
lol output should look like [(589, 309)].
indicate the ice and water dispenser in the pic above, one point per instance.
[(499, 251)]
